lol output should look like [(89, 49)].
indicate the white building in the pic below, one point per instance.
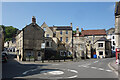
[(111, 36)]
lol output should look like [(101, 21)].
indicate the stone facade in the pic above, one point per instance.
[(117, 24), (84, 42), (64, 34), (29, 41), (61, 37), (1, 40), (48, 31), (111, 36)]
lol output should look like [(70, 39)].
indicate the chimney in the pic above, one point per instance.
[(81, 29), (77, 31), (71, 24), (33, 19)]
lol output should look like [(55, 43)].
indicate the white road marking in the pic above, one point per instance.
[(113, 69), (73, 71), (72, 76), (26, 72), (101, 69), (86, 66), (93, 67), (56, 72), (109, 70)]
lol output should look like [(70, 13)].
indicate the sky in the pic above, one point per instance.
[(86, 15)]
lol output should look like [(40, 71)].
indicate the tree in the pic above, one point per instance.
[(9, 32)]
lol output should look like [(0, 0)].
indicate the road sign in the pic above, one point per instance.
[(42, 45)]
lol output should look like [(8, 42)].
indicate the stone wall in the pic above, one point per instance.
[(48, 31), (117, 31)]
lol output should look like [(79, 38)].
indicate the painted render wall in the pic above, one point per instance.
[(98, 49)]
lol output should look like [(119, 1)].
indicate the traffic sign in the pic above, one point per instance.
[(42, 45)]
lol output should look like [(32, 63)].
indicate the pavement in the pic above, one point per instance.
[(115, 67), (90, 69)]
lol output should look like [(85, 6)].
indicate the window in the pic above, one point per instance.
[(61, 32), (106, 52), (44, 29), (101, 53), (113, 37), (47, 35), (66, 39), (60, 38), (39, 54), (62, 53), (66, 32), (113, 42), (100, 44), (113, 48), (47, 44)]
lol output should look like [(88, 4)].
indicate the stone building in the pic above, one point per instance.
[(10, 45), (64, 34), (117, 24), (1, 40), (103, 48), (28, 41), (51, 42), (61, 38), (111, 36), (84, 42)]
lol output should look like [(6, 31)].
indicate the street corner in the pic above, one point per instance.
[(112, 65)]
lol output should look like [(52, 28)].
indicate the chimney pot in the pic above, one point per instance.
[(81, 29), (71, 24), (33, 19), (77, 31)]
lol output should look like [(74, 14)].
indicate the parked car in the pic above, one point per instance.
[(4, 58), (5, 53)]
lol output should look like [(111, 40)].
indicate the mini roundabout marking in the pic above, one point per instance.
[(54, 73)]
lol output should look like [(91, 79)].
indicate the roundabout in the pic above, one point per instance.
[(50, 73)]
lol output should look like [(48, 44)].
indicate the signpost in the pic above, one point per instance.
[(43, 47), (117, 55)]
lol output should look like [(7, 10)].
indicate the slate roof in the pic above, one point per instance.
[(63, 27), (103, 39), (110, 31)]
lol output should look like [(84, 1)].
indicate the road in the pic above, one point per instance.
[(84, 69)]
